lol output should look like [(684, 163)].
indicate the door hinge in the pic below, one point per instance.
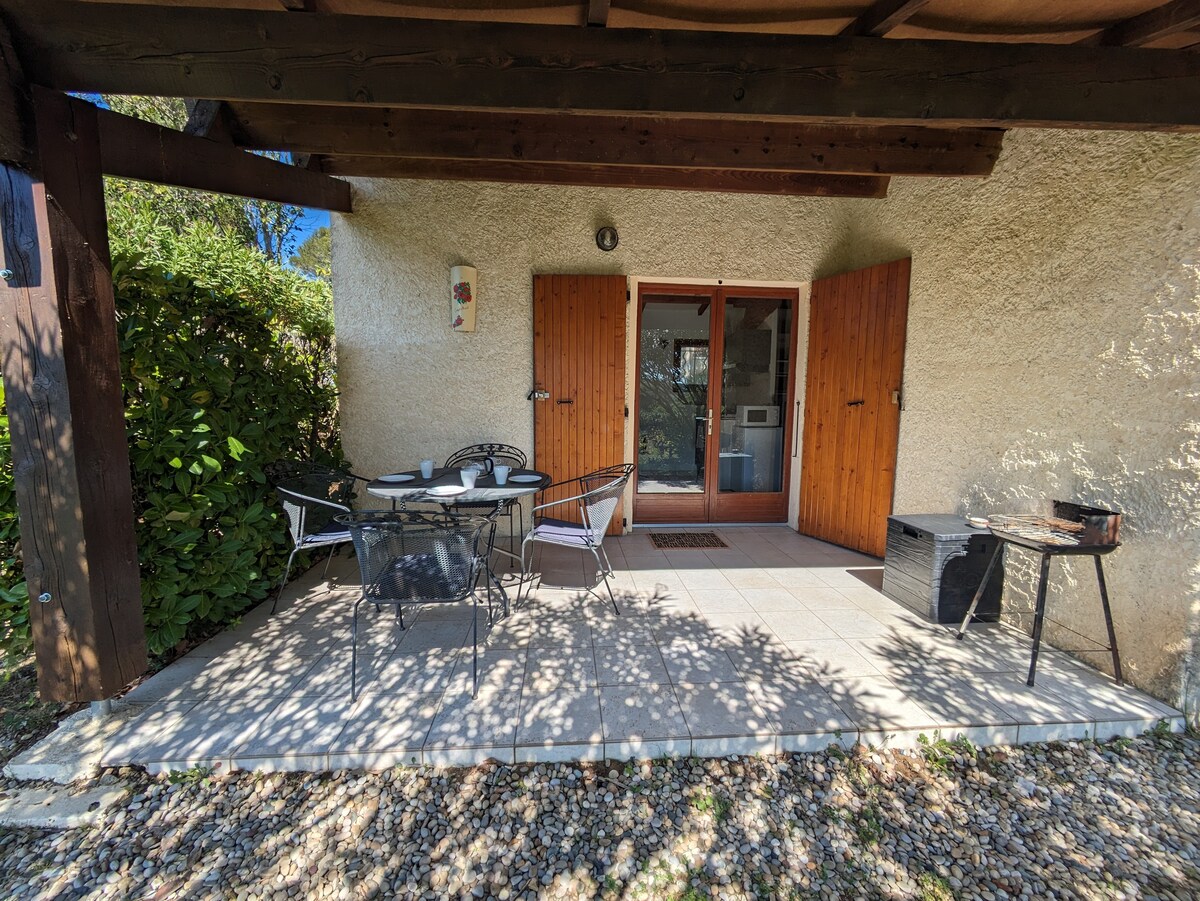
[(624, 523), (628, 297), (626, 412)]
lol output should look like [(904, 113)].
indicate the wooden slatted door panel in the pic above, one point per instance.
[(579, 361), (857, 329)]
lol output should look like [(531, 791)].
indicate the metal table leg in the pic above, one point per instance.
[(1038, 617), (1108, 621), (987, 574)]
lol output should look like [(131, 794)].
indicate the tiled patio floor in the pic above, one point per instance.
[(779, 643)]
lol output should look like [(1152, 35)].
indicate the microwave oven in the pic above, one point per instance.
[(752, 417)]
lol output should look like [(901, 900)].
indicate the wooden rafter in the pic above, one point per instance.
[(1159, 22), (597, 12), (722, 180), (15, 109), (618, 140), (132, 148), (209, 119), (882, 16), (249, 55)]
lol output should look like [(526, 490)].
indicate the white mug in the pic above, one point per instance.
[(501, 473), (468, 477), (427, 469)]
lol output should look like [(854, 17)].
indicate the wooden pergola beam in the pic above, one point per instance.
[(723, 180), (58, 334), (235, 54), (16, 142), (1161, 21), (618, 140), (882, 16), (597, 12), (143, 151)]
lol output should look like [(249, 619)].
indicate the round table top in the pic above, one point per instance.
[(486, 490)]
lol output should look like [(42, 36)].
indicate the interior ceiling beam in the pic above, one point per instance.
[(235, 54), (1161, 21), (728, 181), (618, 140), (882, 16), (143, 151)]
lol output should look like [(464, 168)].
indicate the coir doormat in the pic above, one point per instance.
[(667, 540)]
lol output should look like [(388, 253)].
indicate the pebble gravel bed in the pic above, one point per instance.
[(1071, 820)]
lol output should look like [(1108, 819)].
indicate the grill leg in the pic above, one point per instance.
[(1039, 616), (987, 574), (1108, 620)]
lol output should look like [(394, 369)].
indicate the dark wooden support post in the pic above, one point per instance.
[(62, 376)]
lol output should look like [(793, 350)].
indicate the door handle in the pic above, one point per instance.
[(565, 400), (709, 418), (855, 403)]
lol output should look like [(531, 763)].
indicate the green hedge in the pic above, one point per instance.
[(226, 362)]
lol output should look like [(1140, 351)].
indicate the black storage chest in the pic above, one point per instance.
[(934, 563)]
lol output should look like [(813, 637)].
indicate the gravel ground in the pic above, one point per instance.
[(1078, 820)]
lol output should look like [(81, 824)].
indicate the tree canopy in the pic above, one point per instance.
[(313, 256)]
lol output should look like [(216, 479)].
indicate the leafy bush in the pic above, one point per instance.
[(226, 362), (14, 593)]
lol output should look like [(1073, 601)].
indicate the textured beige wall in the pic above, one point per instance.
[(1053, 343)]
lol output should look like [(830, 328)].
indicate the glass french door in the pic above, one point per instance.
[(715, 403)]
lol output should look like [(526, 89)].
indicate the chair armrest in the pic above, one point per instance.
[(320, 501), (565, 500)]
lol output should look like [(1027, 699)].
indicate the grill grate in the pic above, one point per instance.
[(1044, 529), (668, 540)]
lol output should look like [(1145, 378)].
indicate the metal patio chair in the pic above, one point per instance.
[(598, 495), (497, 453), (411, 557), (288, 470), (311, 502)]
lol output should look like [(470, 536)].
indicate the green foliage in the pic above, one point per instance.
[(14, 592), (314, 256), (269, 227), (934, 888), (939, 752), (225, 369)]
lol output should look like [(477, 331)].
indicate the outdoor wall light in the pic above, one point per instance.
[(463, 298)]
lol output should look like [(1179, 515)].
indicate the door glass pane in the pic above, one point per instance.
[(673, 396), (754, 383)]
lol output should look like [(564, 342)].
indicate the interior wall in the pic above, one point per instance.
[(1052, 341)]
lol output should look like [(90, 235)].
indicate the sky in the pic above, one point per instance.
[(313, 219)]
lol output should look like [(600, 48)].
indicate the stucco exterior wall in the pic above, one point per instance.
[(1053, 340)]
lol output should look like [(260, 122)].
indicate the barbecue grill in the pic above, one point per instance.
[(1072, 530)]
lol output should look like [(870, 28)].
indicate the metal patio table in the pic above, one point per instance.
[(416, 489)]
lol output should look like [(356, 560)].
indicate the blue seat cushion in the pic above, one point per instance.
[(331, 533), (559, 531)]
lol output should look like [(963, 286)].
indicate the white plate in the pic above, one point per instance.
[(446, 490), (398, 477), (525, 478)]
